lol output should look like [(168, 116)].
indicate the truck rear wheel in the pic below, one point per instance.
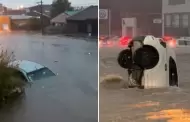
[(173, 76)]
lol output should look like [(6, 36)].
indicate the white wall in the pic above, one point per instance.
[(175, 8)]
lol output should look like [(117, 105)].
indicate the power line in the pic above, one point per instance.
[(41, 16)]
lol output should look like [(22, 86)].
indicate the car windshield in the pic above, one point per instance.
[(40, 74)]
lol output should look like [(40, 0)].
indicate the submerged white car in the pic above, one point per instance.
[(31, 71), (151, 63)]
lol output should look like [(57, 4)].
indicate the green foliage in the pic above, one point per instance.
[(34, 24), (10, 82), (59, 7)]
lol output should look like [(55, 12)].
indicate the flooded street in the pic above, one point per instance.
[(145, 105), (70, 96)]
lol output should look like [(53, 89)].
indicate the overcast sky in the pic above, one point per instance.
[(16, 3)]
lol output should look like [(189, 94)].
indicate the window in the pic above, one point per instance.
[(185, 20), (40, 74), (188, 42), (176, 2), (175, 20), (183, 42), (168, 20)]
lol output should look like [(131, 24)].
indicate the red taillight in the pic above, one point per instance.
[(124, 41), (110, 43), (102, 38), (170, 41), (167, 38)]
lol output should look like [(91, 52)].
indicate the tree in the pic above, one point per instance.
[(10, 81), (60, 6)]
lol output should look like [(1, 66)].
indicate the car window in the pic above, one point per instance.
[(181, 42), (40, 74)]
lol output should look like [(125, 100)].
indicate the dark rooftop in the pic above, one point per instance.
[(86, 14), (36, 10), (14, 12)]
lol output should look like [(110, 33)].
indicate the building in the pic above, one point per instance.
[(59, 23), (1, 9), (145, 11), (61, 19), (20, 17), (5, 23), (35, 11), (19, 22), (176, 15), (84, 22), (14, 12)]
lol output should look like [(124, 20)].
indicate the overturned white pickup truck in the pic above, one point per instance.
[(150, 62)]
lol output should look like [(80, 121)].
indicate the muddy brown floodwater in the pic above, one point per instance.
[(138, 105)]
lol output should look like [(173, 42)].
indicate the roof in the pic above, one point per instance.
[(26, 66), (14, 12), (36, 10), (61, 18), (88, 13), (71, 13), (19, 17), (44, 6)]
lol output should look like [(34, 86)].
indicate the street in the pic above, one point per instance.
[(70, 96), (139, 105)]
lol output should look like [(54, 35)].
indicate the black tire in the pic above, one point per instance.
[(173, 76), (125, 59), (146, 57)]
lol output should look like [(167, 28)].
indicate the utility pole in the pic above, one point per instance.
[(109, 23), (41, 16)]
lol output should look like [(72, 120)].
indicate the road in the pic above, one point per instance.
[(70, 96), (138, 105)]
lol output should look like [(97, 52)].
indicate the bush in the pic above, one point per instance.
[(10, 82)]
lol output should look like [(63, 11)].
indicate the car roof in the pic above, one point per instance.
[(27, 66)]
